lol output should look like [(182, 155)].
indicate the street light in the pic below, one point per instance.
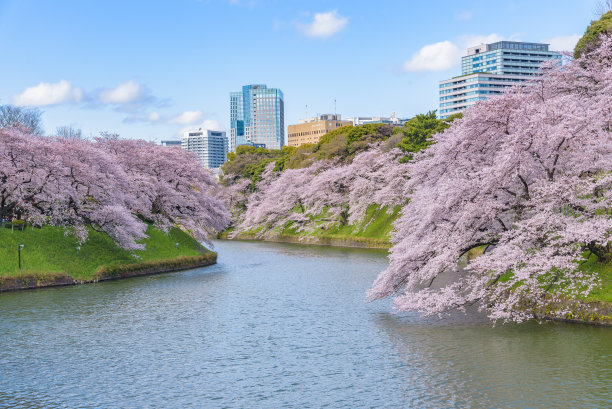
[(176, 244), (78, 248), (19, 248)]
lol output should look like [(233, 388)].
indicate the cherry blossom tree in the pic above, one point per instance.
[(108, 185), (12, 116), (96, 192), (326, 193), (171, 186), (526, 175), (28, 170), (234, 194), (67, 183)]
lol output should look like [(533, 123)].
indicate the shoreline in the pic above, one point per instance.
[(580, 312), (577, 312), (331, 241), (31, 281)]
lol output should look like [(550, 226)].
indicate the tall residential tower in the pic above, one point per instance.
[(489, 68), (210, 146), (257, 116)]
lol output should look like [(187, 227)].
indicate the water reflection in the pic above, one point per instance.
[(472, 364), (281, 325)]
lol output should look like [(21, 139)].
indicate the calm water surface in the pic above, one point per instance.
[(281, 326)]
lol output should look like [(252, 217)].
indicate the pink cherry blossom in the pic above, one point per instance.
[(108, 185), (527, 174)]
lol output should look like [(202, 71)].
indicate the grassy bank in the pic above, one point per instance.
[(48, 252), (596, 308), (373, 231)]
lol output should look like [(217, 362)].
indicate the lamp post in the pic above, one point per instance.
[(176, 244), (19, 248), (78, 248)]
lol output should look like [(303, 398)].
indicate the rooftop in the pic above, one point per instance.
[(507, 45)]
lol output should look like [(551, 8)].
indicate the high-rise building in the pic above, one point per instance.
[(309, 130), (489, 68), (257, 115), (210, 146)]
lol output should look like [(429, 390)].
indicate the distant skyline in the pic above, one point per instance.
[(151, 70)]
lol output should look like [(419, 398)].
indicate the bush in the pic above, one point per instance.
[(590, 39)]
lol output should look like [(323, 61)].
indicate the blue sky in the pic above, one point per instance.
[(149, 69)]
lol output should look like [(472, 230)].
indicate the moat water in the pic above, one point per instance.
[(282, 326)]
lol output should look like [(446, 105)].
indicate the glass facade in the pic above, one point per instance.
[(257, 116), (488, 68), (210, 146)]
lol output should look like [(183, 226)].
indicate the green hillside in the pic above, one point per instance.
[(48, 250), (374, 230), (340, 145)]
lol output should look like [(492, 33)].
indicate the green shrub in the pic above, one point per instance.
[(590, 39)]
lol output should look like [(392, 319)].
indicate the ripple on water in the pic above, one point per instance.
[(280, 325)]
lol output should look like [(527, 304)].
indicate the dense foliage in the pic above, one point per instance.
[(325, 193), (417, 133), (111, 185), (527, 175), (340, 144), (590, 40), (322, 186)]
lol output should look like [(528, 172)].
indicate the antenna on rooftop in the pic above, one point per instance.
[(335, 115), (306, 111)]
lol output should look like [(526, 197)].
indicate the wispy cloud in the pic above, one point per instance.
[(464, 15), (46, 94), (129, 96), (186, 118), (439, 56), (324, 25), (152, 118), (206, 125), (563, 43), (243, 3), (125, 93)]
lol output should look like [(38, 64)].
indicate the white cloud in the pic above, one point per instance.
[(444, 55), (206, 125), (186, 118), (125, 93), (563, 43), (46, 93), (324, 25), (152, 119), (440, 56), (473, 39), (464, 15)]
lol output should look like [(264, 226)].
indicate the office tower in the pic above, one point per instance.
[(257, 116)]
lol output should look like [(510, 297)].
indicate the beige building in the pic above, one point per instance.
[(311, 129)]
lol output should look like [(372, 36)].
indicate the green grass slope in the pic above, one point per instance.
[(48, 250), (375, 228), (603, 293)]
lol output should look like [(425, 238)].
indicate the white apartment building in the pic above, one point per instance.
[(210, 146), (489, 68)]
